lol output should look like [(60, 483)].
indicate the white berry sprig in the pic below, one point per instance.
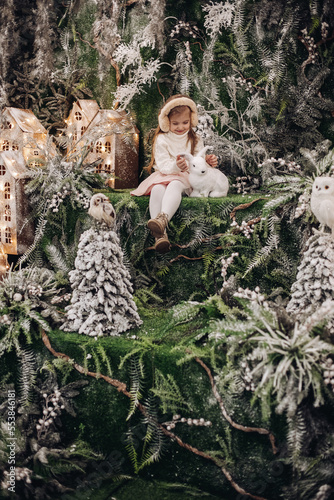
[(178, 419), (52, 408)]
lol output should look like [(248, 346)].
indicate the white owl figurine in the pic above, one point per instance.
[(322, 201), (101, 209)]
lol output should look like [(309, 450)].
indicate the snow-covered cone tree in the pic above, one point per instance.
[(101, 302), (315, 278)]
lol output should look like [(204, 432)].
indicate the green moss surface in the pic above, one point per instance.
[(201, 235), (102, 412)]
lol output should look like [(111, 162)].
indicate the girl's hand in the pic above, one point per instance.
[(212, 160), (181, 163)]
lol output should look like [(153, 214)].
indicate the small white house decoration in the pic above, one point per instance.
[(22, 131), (111, 138), (16, 230)]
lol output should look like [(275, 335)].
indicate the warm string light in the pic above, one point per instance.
[(4, 266)]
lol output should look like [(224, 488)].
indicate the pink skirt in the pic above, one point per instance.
[(146, 186)]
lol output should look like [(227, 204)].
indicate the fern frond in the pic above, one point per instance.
[(154, 438), (27, 374), (154, 441), (297, 432), (272, 243), (56, 258), (167, 390), (137, 374), (105, 358), (39, 232), (132, 451)]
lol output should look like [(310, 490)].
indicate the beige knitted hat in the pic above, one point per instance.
[(172, 103)]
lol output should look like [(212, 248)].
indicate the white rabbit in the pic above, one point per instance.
[(205, 180)]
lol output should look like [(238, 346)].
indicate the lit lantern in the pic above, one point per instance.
[(16, 228), (115, 151)]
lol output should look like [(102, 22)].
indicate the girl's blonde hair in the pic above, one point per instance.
[(192, 137)]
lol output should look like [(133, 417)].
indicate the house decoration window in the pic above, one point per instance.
[(15, 146), (83, 130), (2, 169), (78, 116), (5, 146), (35, 164), (99, 168), (8, 235), (98, 147), (8, 213), (107, 147), (7, 191), (36, 152), (107, 168)]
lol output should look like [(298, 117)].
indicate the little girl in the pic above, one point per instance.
[(169, 181)]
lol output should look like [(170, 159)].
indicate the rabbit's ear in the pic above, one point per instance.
[(203, 151), (187, 156)]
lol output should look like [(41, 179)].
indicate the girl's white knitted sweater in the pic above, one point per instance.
[(167, 146)]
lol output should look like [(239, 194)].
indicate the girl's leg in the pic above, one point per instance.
[(156, 196), (163, 205), (172, 198)]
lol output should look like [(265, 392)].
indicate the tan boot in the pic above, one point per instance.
[(162, 244), (158, 225)]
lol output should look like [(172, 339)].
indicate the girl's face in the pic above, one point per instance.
[(179, 123)]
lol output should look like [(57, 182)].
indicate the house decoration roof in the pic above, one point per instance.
[(89, 107), (14, 162), (118, 120), (26, 120)]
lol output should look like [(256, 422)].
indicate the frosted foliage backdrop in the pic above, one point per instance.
[(260, 71)]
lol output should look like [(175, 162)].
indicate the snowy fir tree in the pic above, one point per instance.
[(315, 278), (101, 302)]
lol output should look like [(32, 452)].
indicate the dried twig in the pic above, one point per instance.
[(120, 386), (227, 417), (243, 206), (309, 60)]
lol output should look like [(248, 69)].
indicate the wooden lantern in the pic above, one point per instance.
[(16, 229), (115, 149)]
